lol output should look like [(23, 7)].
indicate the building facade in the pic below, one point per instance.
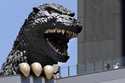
[(100, 42)]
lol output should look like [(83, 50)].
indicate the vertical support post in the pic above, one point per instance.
[(49, 81), (37, 79), (25, 80), (59, 72), (68, 70)]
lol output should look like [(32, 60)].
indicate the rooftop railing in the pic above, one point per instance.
[(91, 68)]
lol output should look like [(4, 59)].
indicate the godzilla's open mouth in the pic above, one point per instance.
[(58, 39)]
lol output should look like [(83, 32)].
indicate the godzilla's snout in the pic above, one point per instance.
[(75, 25), (78, 28)]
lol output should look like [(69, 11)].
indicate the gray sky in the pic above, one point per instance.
[(12, 15)]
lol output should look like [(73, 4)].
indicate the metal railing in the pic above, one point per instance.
[(90, 68)]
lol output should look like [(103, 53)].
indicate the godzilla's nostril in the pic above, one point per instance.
[(79, 28), (72, 14)]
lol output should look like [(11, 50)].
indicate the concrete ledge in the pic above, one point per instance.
[(19, 79), (115, 76)]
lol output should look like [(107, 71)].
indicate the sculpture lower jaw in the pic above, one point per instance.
[(37, 70)]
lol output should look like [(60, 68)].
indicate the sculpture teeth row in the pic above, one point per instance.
[(37, 69), (62, 31)]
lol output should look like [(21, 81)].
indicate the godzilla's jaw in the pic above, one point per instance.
[(58, 40)]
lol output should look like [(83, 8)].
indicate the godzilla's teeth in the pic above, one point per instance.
[(59, 31), (57, 50), (51, 31), (46, 31), (54, 30), (70, 34), (63, 31), (49, 71), (25, 69), (67, 32), (74, 34), (36, 68)]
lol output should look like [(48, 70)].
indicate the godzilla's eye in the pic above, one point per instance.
[(36, 10), (72, 14), (51, 10)]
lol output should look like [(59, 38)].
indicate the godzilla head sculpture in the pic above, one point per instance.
[(42, 39)]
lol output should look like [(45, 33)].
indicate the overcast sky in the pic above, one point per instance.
[(12, 15)]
